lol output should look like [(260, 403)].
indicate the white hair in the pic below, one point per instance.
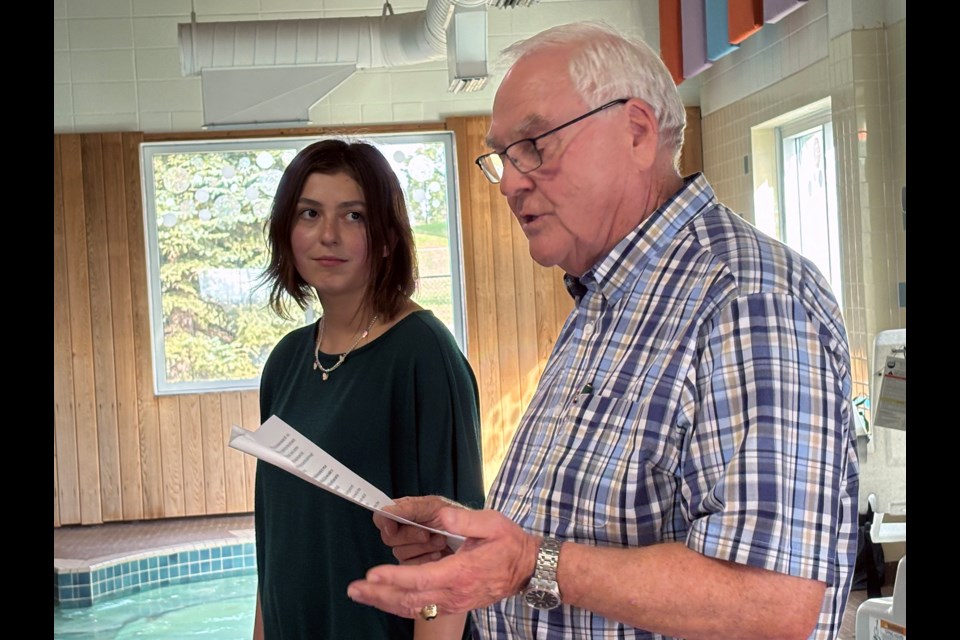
[(606, 65)]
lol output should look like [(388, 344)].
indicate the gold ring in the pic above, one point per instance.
[(429, 612)]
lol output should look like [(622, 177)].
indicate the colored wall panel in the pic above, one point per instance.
[(775, 10), (693, 38), (718, 37), (671, 48), (744, 18)]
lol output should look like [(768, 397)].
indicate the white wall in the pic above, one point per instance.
[(117, 65)]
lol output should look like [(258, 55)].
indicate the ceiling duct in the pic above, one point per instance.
[(509, 4), (467, 49), (270, 72)]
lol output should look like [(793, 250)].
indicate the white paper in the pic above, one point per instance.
[(283, 446)]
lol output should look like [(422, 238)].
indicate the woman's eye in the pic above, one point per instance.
[(355, 216), (308, 214)]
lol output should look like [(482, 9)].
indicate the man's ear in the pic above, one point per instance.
[(644, 131)]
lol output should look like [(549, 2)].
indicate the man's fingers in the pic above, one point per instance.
[(406, 578), (473, 524), (387, 526), (420, 509), (382, 597), (405, 535), (433, 548)]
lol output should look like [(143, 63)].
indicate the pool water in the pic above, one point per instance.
[(217, 609)]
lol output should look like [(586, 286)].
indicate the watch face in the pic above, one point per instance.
[(541, 599)]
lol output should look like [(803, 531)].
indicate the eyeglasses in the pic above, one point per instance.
[(524, 154)]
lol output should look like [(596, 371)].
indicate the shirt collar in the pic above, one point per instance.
[(626, 260)]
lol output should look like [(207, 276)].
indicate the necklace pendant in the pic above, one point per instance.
[(325, 376)]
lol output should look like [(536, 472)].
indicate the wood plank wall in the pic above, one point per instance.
[(516, 308), (123, 453)]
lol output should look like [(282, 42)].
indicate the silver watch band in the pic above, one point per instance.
[(547, 559)]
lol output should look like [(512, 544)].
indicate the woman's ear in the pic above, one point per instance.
[(391, 243)]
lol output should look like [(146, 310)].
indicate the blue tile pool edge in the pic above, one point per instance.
[(83, 586)]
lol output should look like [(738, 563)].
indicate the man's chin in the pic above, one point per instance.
[(542, 257)]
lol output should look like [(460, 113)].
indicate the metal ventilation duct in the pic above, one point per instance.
[(467, 53), (509, 4), (273, 71)]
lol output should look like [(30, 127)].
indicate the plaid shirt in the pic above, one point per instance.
[(699, 392)]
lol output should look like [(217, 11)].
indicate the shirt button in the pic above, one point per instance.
[(588, 329)]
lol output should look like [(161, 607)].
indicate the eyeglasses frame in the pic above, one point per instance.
[(533, 141)]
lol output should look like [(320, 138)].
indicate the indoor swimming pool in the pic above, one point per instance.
[(216, 609)]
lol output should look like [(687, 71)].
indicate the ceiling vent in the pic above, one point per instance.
[(271, 72)]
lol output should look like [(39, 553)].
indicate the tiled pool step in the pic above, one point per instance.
[(77, 584)]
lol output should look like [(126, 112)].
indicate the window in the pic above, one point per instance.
[(795, 193), (205, 208)]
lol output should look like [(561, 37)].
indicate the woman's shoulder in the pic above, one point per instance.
[(422, 324), (294, 340)]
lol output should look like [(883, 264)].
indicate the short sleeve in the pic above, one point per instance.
[(764, 471)]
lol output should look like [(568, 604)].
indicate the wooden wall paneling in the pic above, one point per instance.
[(234, 468), (78, 281), (213, 470), (464, 179), (172, 452), (191, 438), (506, 290), (121, 305), (528, 357), (691, 153), (171, 462), (56, 484), (250, 408), (563, 302), (101, 325), (67, 499), (151, 473), (471, 132), (547, 320)]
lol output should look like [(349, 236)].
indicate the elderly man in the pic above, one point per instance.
[(686, 467)]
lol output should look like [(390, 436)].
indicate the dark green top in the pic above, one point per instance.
[(402, 413)]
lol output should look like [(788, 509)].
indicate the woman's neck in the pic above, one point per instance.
[(343, 320)]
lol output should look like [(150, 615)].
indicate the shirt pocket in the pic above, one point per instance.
[(611, 473)]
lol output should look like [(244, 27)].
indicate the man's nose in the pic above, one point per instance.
[(513, 182)]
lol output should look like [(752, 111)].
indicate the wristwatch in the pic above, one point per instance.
[(543, 592)]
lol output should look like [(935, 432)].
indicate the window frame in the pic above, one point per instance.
[(148, 150), (768, 175)]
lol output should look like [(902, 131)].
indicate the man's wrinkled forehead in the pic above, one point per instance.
[(528, 127), (527, 101)]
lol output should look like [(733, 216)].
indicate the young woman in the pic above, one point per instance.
[(378, 383)]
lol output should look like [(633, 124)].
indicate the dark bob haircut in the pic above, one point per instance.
[(392, 277)]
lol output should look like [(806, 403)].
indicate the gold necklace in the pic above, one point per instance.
[(343, 356)]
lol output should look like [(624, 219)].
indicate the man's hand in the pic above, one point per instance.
[(495, 562), (412, 545)]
